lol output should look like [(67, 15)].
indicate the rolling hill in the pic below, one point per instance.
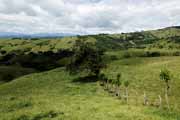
[(54, 94), (167, 38)]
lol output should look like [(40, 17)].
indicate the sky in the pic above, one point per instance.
[(87, 16)]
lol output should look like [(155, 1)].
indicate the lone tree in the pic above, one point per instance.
[(166, 77), (126, 84), (87, 57), (118, 84)]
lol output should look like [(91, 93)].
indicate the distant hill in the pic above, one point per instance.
[(38, 35), (11, 34), (166, 38)]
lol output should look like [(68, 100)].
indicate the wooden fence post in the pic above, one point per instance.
[(160, 101), (145, 99)]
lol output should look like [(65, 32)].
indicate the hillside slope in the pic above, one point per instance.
[(53, 95), (168, 38)]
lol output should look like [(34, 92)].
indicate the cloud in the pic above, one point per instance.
[(87, 16)]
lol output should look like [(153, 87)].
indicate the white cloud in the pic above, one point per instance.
[(87, 16)]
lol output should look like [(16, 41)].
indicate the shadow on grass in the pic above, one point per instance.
[(86, 79)]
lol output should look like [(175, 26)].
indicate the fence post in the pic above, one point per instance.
[(145, 99), (160, 101)]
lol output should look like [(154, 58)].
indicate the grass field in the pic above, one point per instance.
[(53, 95)]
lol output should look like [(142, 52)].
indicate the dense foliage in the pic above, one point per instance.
[(87, 57)]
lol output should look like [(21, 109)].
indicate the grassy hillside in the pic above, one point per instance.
[(36, 45), (167, 38), (53, 95), (166, 32)]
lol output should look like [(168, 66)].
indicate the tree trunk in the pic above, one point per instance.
[(145, 99)]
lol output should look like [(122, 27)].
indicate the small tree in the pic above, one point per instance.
[(102, 79), (166, 77), (118, 84), (126, 84)]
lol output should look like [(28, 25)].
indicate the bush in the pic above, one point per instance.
[(126, 55), (153, 54), (113, 57), (177, 53), (23, 117), (50, 114), (8, 77)]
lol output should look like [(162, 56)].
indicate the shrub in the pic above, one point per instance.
[(113, 57), (153, 54), (23, 117), (126, 55), (50, 114)]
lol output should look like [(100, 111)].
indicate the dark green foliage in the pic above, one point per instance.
[(23, 117), (153, 54), (40, 61), (7, 77), (16, 38), (16, 63), (17, 106), (50, 114), (126, 55), (102, 77), (41, 116), (34, 38), (8, 73), (110, 81), (126, 83), (114, 57), (87, 57), (86, 79), (165, 75), (3, 52), (118, 81), (21, 105)]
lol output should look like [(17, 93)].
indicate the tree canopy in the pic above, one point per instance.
[(87, 57)]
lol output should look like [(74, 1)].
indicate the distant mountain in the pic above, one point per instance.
[(177, 27), (11, 35), (38, 35)]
